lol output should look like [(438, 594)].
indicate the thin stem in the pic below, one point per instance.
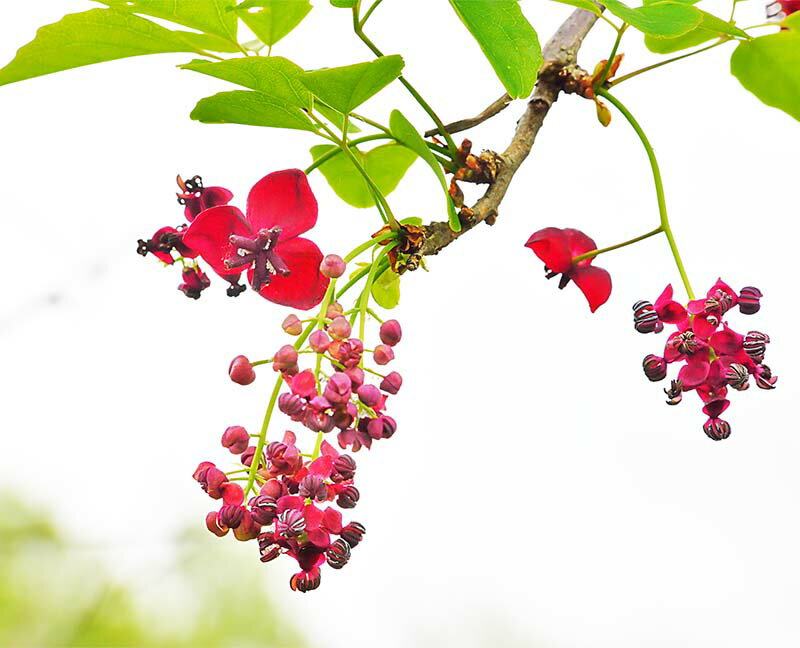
[(594, 253), (322, 159), (371, 122), (662, 203), (262, 435), (630, 75), (365, 294), (369, 13), (451, 146), (610, 62)]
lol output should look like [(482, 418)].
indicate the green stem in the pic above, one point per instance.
[(370, 122), (594, 253), (369, 13), (451, 146), (365, 294), (662, 203), (630, 75), (607, 68), (322, 159)]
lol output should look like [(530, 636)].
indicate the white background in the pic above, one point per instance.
[(538, 491)]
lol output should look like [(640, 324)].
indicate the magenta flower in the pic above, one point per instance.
[(197, 198), (281, 266), (557, 248)]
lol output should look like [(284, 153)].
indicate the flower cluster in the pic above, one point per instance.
[(779, 9), (265, 242), (289, 515), (714, 357)]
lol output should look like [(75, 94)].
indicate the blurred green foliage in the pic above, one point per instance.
[(55, 594)]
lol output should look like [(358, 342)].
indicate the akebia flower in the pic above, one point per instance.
[(558, 248), (195, 198), (712, 355), (782, 8), (265, 242)]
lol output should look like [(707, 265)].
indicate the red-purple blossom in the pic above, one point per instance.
[(195, 281), (557, 248), (782, 8), (197, 198), (281, 266)]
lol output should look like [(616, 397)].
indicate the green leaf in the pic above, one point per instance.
[(506, 38), (252, 109), (274, 76), (335, 117), (586, 5), (208, 42), (385, 164), (89, 37), (271, 20), (344, 4), (710, 28), (386, 289), (665, 19), (210, 16), (405, 133), (346, 88), (769, 67)]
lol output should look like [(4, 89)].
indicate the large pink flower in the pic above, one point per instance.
[(557, 248), (281, 266)]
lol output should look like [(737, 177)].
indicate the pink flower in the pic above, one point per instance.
[(557, 248), (197, 198), (281, 266)]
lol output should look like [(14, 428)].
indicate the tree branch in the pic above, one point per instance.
[(497, 106), (561, 51)]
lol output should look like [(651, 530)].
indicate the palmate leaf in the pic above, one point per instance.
[(271, 20), (662, 19), (710, 27), (386, 289), (507, 39), (769, 67), (385, 164), (252, 109), (345, 88), (210, 16), (90, 37)]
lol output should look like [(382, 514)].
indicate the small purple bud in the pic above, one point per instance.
[(319, 341), (334, 309), (264, 509), (344, 467), (273, 488), (717, 429), (353, 533), (370, 395), (231, 515), (356, 375), (247, 456), (318, 421), (392, 383), (241, 371), (313, 486), (655, 368), (338, 388), (750, 300), (344, 415), (292, 325), (333, 266), (235, 438), (382, 427), (349, 497), (285, 359), (291, 404), (338, 553), (291, 523), (383, 354), (339, 328), (390, 332), (213, 525)]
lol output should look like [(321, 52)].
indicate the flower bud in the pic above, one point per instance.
[(213, 525), (382, 427), (292, 325), (655, 368), (737, 376), (338, 553), (383, 354), (313, 486), (273, 488), (318, 421), (339, 328), (353, 533), (344, 467), (247, 529), (264, 509), (392, 383), (291, 404), (304, 384), (338, 388), (241, 371), (645, 318), (333, 266), (231, 516), (370, 395), (717, 429), (195, 281), (305, 581), (291, 523), (356, 375), (750, 300), (349, 497), (235, 438), (755, 345), (319, 341), (344, 415), (390, 332), (334, 309), (211, 479), (285, 359), (247, 456)]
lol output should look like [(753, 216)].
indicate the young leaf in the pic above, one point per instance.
[(386, 289), (506, 38), (769, 67), (271, 20), (405, 133), (335, 117), (210, 16), (346, 88), (709, 28), (90, 37), (270, 75), (586, 5), (385, 164), (665, 19), (344, 4), (208, 42), (252, 109)]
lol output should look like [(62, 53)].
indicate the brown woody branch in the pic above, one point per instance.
[(560, 52), (497, 106)]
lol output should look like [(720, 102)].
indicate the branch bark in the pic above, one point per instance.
[(561, 51), (497, 106)]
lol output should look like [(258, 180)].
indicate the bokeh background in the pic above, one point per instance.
[(538, 491)]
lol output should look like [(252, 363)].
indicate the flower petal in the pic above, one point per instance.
[(551, 245), (595, 284), (210, 197), (702, 327), (579, 244), (209, 235), (694, 372), (726, 342), (667, 309), (305, 285), (282, 199)]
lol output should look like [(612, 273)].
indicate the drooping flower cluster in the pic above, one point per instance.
[(289, 515), (779, 9), (265, 242), (714, 357)]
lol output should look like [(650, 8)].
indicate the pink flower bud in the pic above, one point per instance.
[(230, 516), (319, 341), (292, 325), (339, 328), (356, 375), (313, 487), (382, 427), (338, 388), (655, 368), (247, 529), (344, 467), (333, 266), (285, 359), (334, 309), (213, 525), (369, 395), (383, 354), (247, 457), (235, 439), (241, 371), (273, 488), (392, 383), (390, 332), (291, 404), (344, 415), (353, 533), (264, 509), (304, 384), (348, 497)]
